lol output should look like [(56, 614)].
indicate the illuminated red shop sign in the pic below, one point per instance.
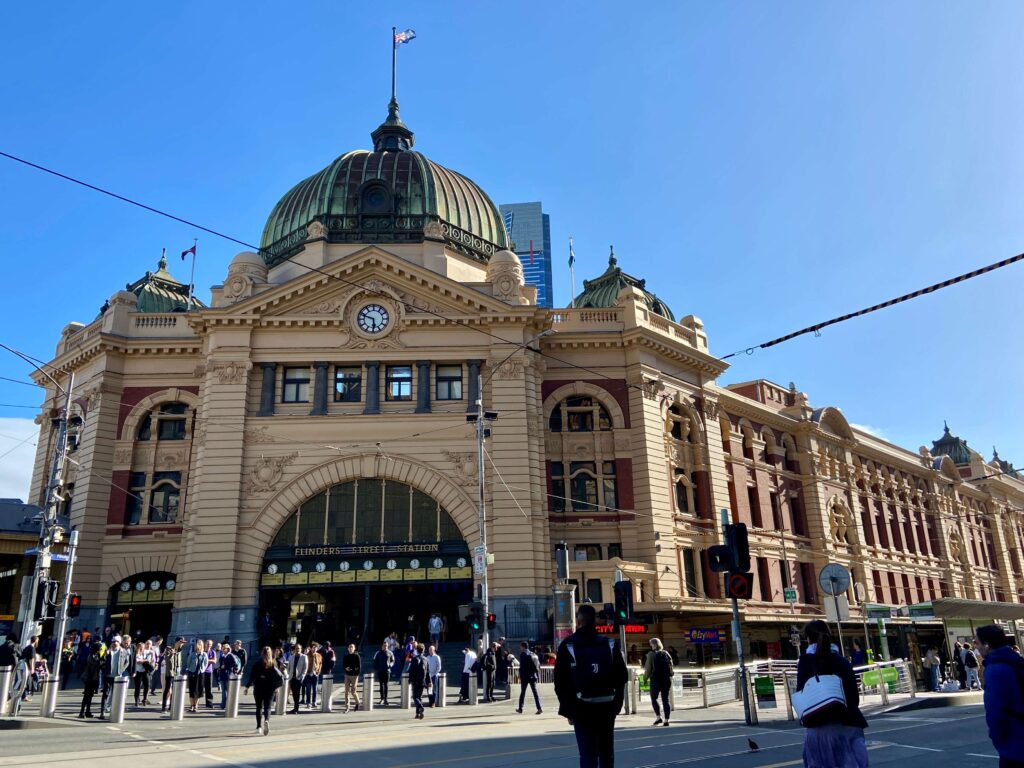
[(631, 629)]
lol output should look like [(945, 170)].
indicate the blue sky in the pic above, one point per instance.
[(763, 165)]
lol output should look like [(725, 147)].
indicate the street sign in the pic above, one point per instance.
[(834, 579), (705, 635), (789, 595), (479, 561), (874, 611), (921, 611), (764, 689)]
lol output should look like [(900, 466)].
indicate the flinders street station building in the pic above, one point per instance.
[(292, 456)]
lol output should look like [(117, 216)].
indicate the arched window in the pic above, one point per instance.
[(580, 414), (368, 511), (159, 499), (167, 422)]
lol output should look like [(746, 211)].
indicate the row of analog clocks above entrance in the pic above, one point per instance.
[(140, 586), (367, 565)]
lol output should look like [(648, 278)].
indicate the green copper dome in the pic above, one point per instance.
[(603, 291), (389, 195), (160, 292)]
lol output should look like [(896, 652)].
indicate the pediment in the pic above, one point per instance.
[(329, 292)]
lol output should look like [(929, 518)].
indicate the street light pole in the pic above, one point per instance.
[(48, 524), (480, 434)]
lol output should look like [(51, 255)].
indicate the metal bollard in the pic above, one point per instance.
[(234, 689), (118, 695), (51, 685), (442, 689), (326, 692), (911, 683), (281, 702), (178, 685), (507, 691), (632, 699), (6, 675), (786, 681), (368, 693), (884, 686), (473, 690), (406, 699)]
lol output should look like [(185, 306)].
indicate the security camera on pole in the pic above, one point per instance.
[(733, 559), (481, 559)]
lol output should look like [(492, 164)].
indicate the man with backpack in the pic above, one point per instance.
[(970, 659), (590, 683), (490, 663), (529, 676), (419, 680), (658, 671), (1004, 695)]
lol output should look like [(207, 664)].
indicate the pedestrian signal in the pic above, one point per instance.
[(74, 605), (492, 620), (623, 602)]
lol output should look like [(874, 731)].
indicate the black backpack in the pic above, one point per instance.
[(970, 660), (662, 665), (592, 670)]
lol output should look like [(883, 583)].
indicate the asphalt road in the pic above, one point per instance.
[(492, 737)]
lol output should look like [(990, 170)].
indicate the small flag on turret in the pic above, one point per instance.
[(572, 254), (405, 37), (191, 250)]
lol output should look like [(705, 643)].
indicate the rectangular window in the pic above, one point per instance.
[(163, 505), (135, 499), (398, 380), (557, 487), (796, 506), (449, 382), (614, 550), (865, 519), (171, 429), (764, 579), (755, 506), (295, 388), (881, 525), (609, 486), (348, 384), (773, 500), (689, 572), (583, 552), (594, 593)]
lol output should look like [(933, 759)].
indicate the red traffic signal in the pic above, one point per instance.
[(739, 585), (492, 620), (74, 605)]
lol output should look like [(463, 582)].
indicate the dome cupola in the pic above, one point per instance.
[(603, 291), (391, 194)]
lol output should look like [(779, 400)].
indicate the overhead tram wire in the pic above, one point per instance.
[(885, 304), (318, 270)]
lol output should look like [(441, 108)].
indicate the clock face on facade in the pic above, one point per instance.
[(125, 586), (272, 568), (140, 586), (392, 564), (461, 562), (368, 565), (321, 567), (373, 318), (154, 585), (296, 568), (438, 563), (344, 565), (171, 584), (414, 563)]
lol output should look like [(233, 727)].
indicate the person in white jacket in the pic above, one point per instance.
[(433, 670), (468, 668), (297, 668)]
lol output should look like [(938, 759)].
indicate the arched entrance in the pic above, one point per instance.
[(140, 605), (361, 559)]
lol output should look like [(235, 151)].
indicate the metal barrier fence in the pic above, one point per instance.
[(876, 683)]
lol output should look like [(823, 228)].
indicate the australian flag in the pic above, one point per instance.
[(405, 37)]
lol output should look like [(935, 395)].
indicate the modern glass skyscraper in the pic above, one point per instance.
[(527, 223)]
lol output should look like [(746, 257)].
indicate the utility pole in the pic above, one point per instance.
[(480, 556), (62, 612), (49, 533)]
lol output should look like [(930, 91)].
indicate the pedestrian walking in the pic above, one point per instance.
[(469, 667), (352, 665), (529, 675), (932, 665), (211, 666), (1004, 694), (240, 654), (433, 672), (383, 660), (590, 683), (91, 679), (434, 626), (658, 672), (835, 736), (172, 664), (312, 674), (328, 660), (264, 679), (297, 668), (971, 665), (959, 665), (490, 663), (227, 665), (419, 680), (145, 663)]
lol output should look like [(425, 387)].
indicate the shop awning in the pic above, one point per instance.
[(957, 608)]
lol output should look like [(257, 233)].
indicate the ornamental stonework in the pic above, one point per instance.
[(465, 467), (509, 370), (231, 372), (268, 472)]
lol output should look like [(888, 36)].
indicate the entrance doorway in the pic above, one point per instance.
[(140, 606)]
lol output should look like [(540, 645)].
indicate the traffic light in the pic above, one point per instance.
[(476, 617), (734, 555), (74, 605), (739, 585), (623, 602), (492, 620)]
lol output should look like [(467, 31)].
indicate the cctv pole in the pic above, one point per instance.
[(480, 501), (48, 524)]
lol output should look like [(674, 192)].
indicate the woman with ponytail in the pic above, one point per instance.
[(836, 738)]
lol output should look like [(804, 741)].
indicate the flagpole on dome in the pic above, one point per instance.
[(192, 274), (572, 276), (394, 62)]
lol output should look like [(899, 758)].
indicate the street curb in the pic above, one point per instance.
[(937, 702)]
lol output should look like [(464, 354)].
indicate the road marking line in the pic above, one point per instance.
[(975, 754), (798, 762), (905, 746), (697, 758)]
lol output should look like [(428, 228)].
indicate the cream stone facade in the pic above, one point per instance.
[(296, 458)]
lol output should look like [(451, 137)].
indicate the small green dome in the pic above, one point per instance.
[(603, 291), (160, 292), (389, 195)]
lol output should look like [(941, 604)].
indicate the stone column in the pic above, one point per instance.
[(422, 386), (474, 385), (319, 390), (267, 393), (372, 387)]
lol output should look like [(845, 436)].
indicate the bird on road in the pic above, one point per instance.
[(753, 745)]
